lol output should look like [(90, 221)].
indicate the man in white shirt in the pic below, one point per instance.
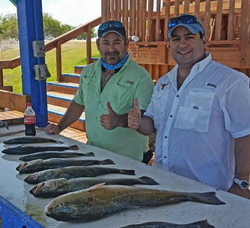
[(200, 112)]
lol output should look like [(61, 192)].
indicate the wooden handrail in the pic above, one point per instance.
[(57, 43)]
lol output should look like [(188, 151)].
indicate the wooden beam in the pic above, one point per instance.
[(14, 101)]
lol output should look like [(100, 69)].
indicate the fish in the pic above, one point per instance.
[(17, 150), (199, 224), (53, 154), (73, 172), (52, 163), (98, 201), (56, 187), (31, 139)]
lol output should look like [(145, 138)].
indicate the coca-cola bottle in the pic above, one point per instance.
[(30, 120)]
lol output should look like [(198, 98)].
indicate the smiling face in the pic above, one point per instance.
[(112, 48), (186, 48)]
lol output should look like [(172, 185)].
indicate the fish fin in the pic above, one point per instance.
[(59, 142), (95, 186), (148, 180), (107, 161), (74, 147), (127, 171), (88, 154), (206, 197)]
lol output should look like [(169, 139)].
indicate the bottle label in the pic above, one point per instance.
[(29, 119)]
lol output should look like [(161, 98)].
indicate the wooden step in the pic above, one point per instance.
[(74, 78), (59, 99), (78, 69), (55, 114), (62, 87)]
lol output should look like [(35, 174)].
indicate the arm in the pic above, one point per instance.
[(72, 114), (242, 165), (143, 124)]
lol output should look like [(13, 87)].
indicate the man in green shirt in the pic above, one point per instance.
[(106, 93)]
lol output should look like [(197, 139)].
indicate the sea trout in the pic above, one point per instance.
[(56, 187), (53, 154), (98, 201), (31, 139), (32, 149), (73, 172), (52, 163), (199, 224)]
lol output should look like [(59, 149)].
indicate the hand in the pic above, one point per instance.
[(109, 121), (52, 129), (235, 189), (134, 116)]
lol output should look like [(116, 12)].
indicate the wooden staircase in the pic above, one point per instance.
[(60, 95)]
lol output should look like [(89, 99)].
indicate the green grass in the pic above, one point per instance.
[(73, 54)]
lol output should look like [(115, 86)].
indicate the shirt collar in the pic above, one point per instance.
[(196, 69)]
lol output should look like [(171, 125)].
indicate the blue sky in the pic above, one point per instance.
[(81, 11)]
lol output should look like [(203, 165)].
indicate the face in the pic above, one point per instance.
[(186, 48), (112, 48)]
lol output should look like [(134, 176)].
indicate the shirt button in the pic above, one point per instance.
[(171, 116), (166, 136), (177, 95), (165, 156)]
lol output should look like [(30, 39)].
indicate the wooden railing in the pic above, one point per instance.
[(57, 44)]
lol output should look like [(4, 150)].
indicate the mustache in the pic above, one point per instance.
[(112, 53)]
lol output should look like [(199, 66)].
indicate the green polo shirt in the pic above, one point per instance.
[(131, 81)]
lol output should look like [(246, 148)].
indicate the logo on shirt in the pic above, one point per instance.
[(163, 85)]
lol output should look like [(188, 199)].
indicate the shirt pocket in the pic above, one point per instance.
[(88, 90), (196, 112), (160, 107), (122, 98)]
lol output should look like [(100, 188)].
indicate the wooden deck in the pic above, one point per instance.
[(14, 117)]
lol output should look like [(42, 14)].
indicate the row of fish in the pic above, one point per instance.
[(79, 196)]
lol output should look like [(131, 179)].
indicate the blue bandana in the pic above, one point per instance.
[(116, 66)]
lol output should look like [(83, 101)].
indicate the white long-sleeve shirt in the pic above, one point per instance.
[(196, 125)]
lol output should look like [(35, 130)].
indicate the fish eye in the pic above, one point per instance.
[(45, 189), (61, 204), (35, 177)]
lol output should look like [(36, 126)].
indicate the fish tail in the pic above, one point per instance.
[(148, 180), (127, 172), (207, 197), (74, 147), (107, 161)]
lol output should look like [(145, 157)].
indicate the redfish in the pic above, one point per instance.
[(56, 187), (73, 172), (53, 154), (31, 139), (199, 224), (99, 201), (52, 163)]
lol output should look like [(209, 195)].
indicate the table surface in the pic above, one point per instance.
[(235, 213)]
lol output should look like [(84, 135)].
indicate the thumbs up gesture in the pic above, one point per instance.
[(109, 121), (134, 116)]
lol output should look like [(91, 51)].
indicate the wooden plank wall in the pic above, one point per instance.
[(226, 23), (147, 19)]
